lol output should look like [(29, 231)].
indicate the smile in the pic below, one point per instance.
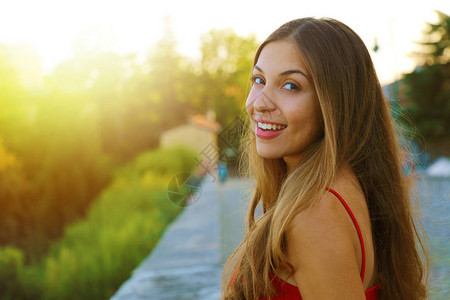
[(267, 131), (270, 126)]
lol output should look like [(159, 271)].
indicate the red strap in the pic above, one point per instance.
[(363, 265)]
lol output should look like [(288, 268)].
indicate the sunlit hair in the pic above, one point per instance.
[(358, 130)]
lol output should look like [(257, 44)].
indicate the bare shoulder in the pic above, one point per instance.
[(328, 222), (326, 225), (322, 248)]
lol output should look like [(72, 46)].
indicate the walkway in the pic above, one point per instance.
[(187, 262)]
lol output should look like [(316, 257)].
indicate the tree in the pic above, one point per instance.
[(436, 43), (427, 88), (226, 64), (51, 161), (154, 97), (14, 194)]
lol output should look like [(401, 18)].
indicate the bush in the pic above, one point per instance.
[(167, 161), (97, 255), (124, 224), (11, 265), (16, 281)]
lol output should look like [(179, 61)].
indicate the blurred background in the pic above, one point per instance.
[(95, 94)]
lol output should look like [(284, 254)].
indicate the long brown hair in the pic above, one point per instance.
[(358, 130)]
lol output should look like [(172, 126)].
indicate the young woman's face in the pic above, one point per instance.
[(282, 104)]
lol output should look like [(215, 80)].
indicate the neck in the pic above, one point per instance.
[(291, 162)]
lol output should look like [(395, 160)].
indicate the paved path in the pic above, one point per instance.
[(187, 262)]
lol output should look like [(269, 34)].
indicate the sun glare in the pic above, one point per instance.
[(53, 28)]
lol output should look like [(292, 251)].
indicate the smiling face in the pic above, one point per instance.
[(282, 104)]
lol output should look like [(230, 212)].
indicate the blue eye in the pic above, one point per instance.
[(291, 87), (257, 80)]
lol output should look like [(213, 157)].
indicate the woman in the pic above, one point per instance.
[(326, 167)]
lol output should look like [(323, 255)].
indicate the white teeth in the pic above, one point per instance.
[(267, 126)]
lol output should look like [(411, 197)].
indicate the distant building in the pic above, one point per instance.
[(200, 134)]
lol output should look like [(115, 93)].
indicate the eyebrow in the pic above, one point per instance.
[(294, 71)]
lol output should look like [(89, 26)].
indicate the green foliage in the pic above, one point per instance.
[(436, 44), (227, 61), (161, 161), (62, 168), (428, 90), (224, 80), (428, 87), (11, 264), (17, 282), (97, 255), (64, 136), (15, 192)]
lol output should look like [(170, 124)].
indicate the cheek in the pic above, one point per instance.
[(305, 117)]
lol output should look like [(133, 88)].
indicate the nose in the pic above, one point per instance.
[(263, 102)]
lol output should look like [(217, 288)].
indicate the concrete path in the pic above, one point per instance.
[(188, 260)]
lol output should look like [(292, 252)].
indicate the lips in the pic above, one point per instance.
[(268, 134)]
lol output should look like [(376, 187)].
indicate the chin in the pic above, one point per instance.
[(267, 153)]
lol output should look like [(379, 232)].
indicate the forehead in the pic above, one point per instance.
[(280, 56)]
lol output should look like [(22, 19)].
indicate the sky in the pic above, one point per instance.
[(134, 26)]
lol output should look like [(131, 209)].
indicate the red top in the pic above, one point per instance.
[(287, 291)]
